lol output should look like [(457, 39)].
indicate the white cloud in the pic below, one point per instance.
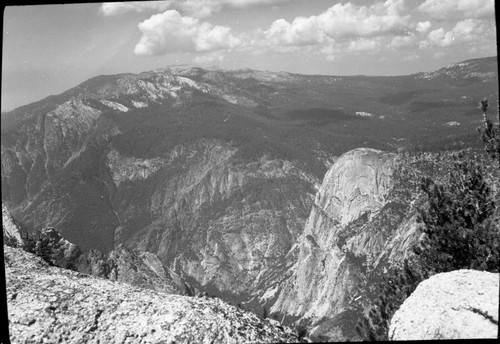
[(342, 28), (362, 45), (465, 31), (470, 30), (416, 32), (448, 9), (339, 22), (194, 8), (402, 42), (119, 8), (302, 31), (423, 26), (170, 32), (440, 38)]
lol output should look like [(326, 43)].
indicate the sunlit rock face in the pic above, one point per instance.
[(11, 232), (226, 225), (461, 304), (353, 224), (357, 183)]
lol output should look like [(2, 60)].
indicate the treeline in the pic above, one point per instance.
[(154, 131)]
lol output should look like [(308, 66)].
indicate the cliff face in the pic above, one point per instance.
[(214, 174), (218, 218), (220, 222), (52, 304), (356, 225), (224, 225), (357, 183)]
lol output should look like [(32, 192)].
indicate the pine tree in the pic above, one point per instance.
[(460, 232), (395, 287), (489, 134)]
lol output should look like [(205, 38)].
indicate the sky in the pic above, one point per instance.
[(48, 49)]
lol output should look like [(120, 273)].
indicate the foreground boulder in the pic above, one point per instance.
[(461, 304), (50, 304)]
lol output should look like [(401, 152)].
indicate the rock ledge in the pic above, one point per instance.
[(49, 304)]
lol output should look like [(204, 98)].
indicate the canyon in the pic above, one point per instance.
[(263, 189)]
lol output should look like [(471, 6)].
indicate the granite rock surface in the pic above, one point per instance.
[(461, 304), (49, 305)]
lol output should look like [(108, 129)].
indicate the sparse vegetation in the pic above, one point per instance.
[(39, 245), (10, 241), (489, 134), (461, 231)]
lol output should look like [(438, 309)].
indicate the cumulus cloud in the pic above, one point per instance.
[(363, 44), (447, 9), (465, 31), (169, 32), (402, 42), (416, 32), (341, 21), (440, 38), (423, 26), (302, 31), (194, 8), (342, 28)]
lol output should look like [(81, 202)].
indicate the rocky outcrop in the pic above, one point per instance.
[(11, 232), (461, 304), (356, 226), (59, 251), (137, 268), (49, 304), (359, 182)]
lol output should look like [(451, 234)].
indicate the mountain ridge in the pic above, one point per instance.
[(179, 69), (217, 175)]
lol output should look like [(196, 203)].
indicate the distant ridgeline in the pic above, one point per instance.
[(248, 185)]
